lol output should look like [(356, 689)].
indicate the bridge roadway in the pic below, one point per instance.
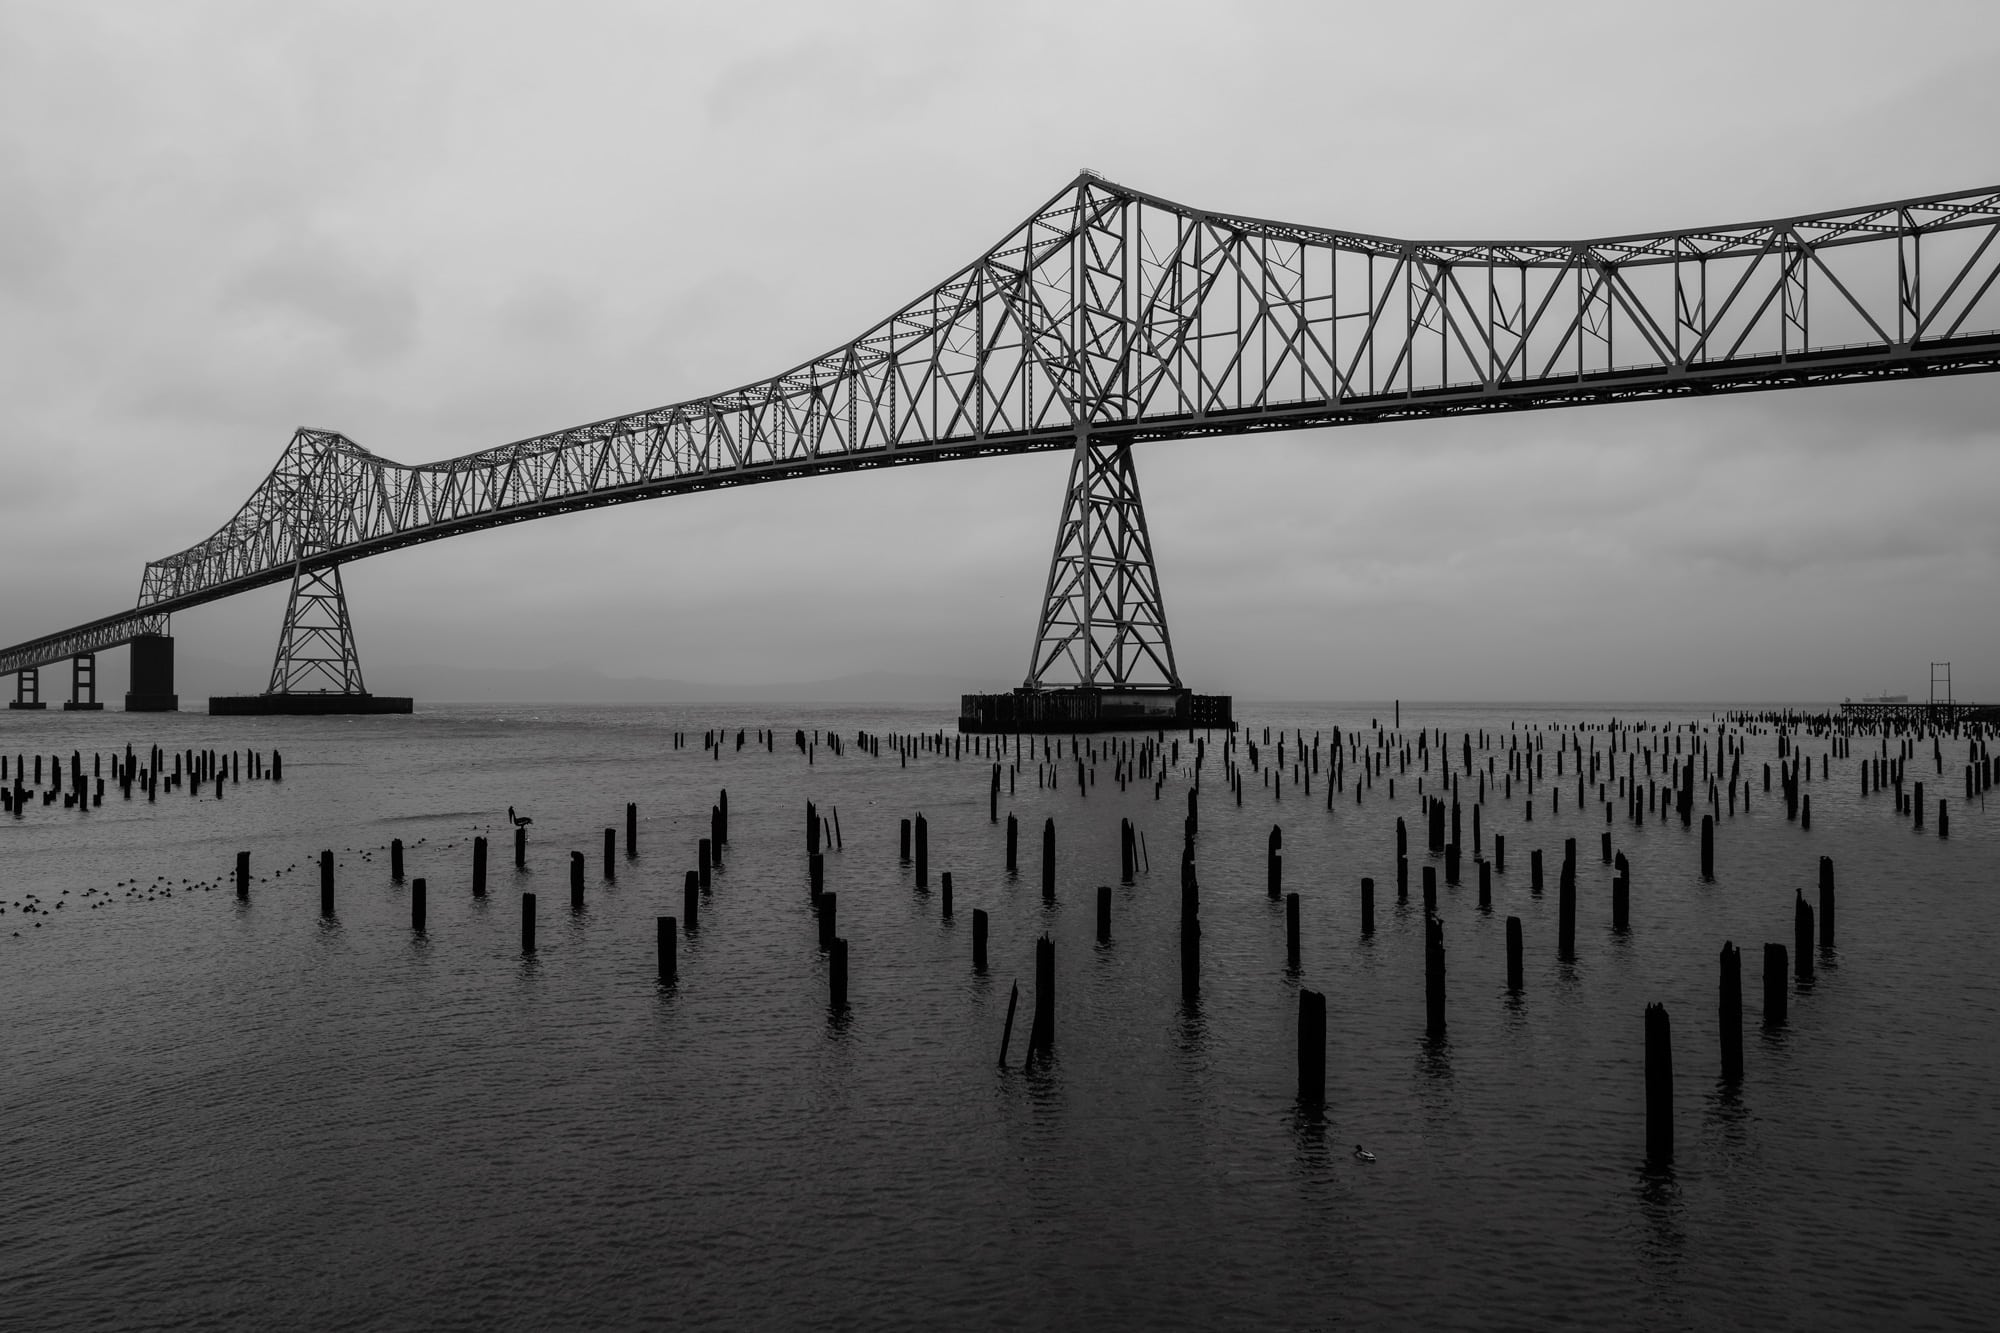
[(1129, 318)]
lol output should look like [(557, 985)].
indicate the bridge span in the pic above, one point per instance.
[(1110, 318)]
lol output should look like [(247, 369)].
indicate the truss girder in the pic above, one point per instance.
[(1137, 318)]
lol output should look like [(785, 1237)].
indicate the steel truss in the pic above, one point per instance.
[(1103, 620), (316, 652), (1136, 318)]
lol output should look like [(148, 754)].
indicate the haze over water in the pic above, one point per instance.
[(244, 1115)]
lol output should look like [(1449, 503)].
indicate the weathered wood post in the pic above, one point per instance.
[(243, 876), (836, 975), (1367, 906), (576, 881), (1944, 820), (944, 889), (418, 904), (1274, 863), (1621, 894), (1128, 847), (1104, 914), (479, 867), (1042, 1035), (1430, 890), (1434, 976), (1292, 931), (527, 923), (691, 902), (1007, 1032), (829, 918), (396, 860), (979, 926), (326, 883), (1566, 912), (815, 875), (520, 846), (1514, 954), (1775, 994), (1013, 845), (1826, 902), (668, 948), (1049, 860), (632, 831), (1729, 1012), (704, 862), (903, 842), (1485, 886), (1803, 936), (1535, 872), (1312, 1048), (923, 852), (1659, 1086)]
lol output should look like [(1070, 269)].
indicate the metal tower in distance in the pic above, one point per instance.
[(1103, 658)]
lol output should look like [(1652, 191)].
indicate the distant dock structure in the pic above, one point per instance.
[(1939, 710)]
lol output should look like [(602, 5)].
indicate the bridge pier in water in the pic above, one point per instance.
[(28, 689), (152, 685), (1103, 659), (83, 685), (317, 669)]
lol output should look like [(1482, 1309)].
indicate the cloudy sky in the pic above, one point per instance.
[(439, 227)]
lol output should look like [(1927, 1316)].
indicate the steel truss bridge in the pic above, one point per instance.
[(1112, 317)]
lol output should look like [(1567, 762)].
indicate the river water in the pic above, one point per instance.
[(224, 1114)]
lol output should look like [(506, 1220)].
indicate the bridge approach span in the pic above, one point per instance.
[(1119, 317)]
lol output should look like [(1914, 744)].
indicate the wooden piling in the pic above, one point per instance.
[(829, 915), (396, 860), (903, 842), (1485, 886), (1500, 853), (1013, 845), (979, 927), (668, 948), (836, 975), (1776, 996), (1729, 1012), (1292, 931), (1621, 894), (1367, 906), (479, 867), (1535, 871), (704, 862), (1514, 954), (1274, 863), (1042, 1032), (691, 902), (1659, 1086), (418, 904), (326, 883), (923, 830), (243, 876), (1803, 936), (1104, 914), (576, 881), (1434, 977), (1566, 913), (1007, 1032), (1708, 846), (1049, 860), (632, 832), (1312, 1048), (527, 923), (1826, 902), (520, 846), (1430, 890)]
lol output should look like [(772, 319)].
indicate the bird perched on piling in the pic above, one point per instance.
[(518, 821)]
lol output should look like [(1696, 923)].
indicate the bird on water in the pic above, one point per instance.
[(1361, 1154), (517, 821)]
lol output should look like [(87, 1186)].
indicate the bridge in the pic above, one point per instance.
[(1107, 319)]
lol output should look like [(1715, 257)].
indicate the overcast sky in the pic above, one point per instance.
[(440, 227)]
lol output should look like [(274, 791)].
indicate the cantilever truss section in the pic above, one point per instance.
[(1136, 318), (1103, 621), (316, 647)]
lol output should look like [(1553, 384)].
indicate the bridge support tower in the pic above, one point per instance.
[(83, 685), (317, 669), (1103, 659), (28, 689), (152, 684)]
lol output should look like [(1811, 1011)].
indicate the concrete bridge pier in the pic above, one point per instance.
[(28, 689), (83, 685), (152, 686)]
